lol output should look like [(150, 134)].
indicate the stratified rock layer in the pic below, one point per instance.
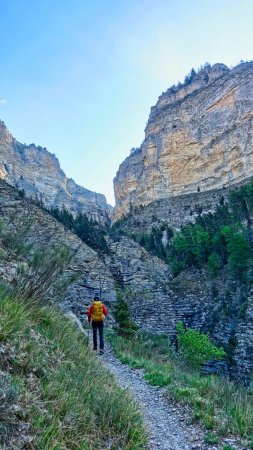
[(38, 172), (46, 231), (198, 138)]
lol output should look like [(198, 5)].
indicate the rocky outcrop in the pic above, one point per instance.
[(39, 174), (198, 138), (45, 231), (127, 264)]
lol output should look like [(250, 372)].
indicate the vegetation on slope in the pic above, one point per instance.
[(223, 408), (217, 240), (89, 231), (60, 391), (54, 393)]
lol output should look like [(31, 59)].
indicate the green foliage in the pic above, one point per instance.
[(39, 271), (71, 400), (220, 239), (45, 272), (124, 324), (196, 347), (8, 397), (211, 438), (211, 243), (158, 378), (153, 241), (14, 241), (191, 246), (239, 251), (216, 402), (214, 263), (241, 200), (216, 239), (89, 231)]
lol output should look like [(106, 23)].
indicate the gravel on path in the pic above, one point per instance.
[(167, 429)]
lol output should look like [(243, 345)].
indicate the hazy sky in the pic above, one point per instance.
[(79, 76)]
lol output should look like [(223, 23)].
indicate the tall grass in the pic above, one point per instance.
[(70, 400), (217, 403)]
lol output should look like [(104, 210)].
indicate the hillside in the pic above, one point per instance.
[(55, 394)]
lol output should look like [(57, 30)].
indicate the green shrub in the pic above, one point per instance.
[(153, 240), (214, 263), (39, 271), (196, 347), (8, 397), (211, 438), (239, 251), (158, 378), (124, 324)]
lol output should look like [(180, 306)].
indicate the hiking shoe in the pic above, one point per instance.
[(101, 352)]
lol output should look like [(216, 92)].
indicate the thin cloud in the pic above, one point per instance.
[(3, 101)]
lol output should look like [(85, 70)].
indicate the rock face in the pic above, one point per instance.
[(198, 138), (38, 172), (128, 263), (46, 231)]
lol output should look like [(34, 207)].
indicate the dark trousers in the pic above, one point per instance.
[(100, 327)]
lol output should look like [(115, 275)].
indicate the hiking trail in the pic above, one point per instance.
[(167, 429)]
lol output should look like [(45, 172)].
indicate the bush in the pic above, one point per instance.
[(45, 273), (8, 397), (214, 263), (124, 324), (239, 251), (39, 272), (196, 347)]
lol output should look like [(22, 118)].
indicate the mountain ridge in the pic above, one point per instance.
[(38, 172)]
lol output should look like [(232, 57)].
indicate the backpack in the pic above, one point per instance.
[(97, 313)]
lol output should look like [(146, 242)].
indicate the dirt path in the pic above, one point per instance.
[(167, 429)]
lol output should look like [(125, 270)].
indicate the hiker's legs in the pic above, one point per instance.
[(101, 335), (94, 328)]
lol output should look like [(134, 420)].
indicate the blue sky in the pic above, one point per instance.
[(80, 77)]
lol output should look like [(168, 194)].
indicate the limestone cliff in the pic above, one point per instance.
[(198, 138), (38, 172)]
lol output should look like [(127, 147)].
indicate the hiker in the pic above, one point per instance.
[(96, 313)]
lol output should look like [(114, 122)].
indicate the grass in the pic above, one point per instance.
[(63, 392), (221, 406)]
